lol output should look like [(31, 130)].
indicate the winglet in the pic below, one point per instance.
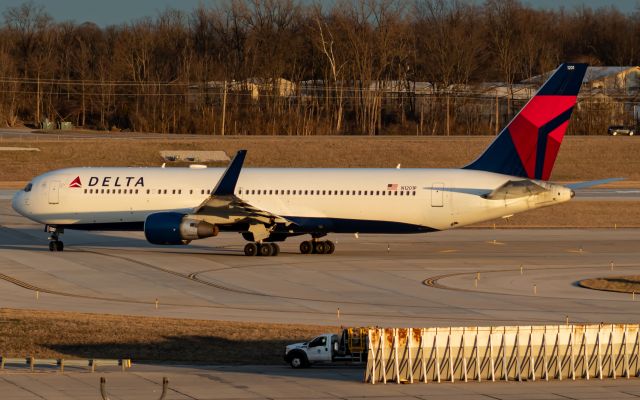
[(227, 184)]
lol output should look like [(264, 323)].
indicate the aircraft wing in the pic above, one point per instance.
[(223, 203), (516, 189)]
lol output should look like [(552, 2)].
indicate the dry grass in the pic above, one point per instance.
[(78, 335), (575, 214), (624, 284), (581, 158)]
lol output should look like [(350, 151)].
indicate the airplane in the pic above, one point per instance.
[(174, 206)]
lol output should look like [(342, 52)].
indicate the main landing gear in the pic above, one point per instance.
[(55, 244), (317, 247), (261, 249)]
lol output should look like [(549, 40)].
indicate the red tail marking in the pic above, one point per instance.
[(542, 109), (524, 131), (553, 146), (525, 137)]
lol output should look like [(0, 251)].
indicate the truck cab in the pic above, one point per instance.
[(327, 348)]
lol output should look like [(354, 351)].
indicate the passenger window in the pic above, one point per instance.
[(294, 192), (136, 191), (270, 192), (318, 342), (329, 192), (288, 191), (324, 192)]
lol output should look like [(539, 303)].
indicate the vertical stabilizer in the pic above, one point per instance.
[(528, 145)]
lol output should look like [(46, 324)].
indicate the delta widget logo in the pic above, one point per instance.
[(76, 183)]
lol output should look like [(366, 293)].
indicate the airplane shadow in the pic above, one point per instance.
[(197, 352), (28, 239)]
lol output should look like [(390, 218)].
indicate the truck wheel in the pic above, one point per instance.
[(298, 361)]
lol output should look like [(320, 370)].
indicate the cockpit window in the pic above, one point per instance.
[(28, 187)]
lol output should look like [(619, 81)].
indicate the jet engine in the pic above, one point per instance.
[(171, 228)]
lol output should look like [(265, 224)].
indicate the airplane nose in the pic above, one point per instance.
[(17, 204)]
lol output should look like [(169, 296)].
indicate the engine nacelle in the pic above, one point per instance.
[(171, 228)]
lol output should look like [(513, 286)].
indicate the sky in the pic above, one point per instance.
[(113, 12)]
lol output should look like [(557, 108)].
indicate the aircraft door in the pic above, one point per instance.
[(437, 195), (54, 192), (319, 349)]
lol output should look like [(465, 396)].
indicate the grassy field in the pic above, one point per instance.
[(77, 335), (581, 158), (625, 284)]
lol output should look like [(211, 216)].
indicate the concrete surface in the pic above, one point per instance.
[(281, 382), (374, 280)]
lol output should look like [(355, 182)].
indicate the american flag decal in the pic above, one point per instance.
[(392, 186)]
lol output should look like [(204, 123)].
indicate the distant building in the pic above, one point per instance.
[(252, 87), (606, 80)]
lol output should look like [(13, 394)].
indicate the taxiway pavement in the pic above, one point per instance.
[(373, 280)]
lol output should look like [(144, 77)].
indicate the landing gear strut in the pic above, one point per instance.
[(55, 244), (261, 249), (317, 247)]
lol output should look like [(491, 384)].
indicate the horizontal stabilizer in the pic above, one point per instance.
[(587, 184), (515, 190)]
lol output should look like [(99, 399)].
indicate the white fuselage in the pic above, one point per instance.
[(363, 200)]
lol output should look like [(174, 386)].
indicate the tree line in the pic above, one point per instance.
[(285, 67)]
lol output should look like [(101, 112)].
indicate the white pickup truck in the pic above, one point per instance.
[(327, 348)]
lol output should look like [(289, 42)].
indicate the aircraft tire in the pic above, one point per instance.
[(306, 247), (250, 249), (275, 249), (265, 249), (330, 247), (59, 246), (52, 246), (319, 247)]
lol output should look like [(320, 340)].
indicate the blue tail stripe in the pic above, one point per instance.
[(508, 163), (562, 82)]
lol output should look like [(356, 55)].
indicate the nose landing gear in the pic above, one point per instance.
[(55, 244)]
